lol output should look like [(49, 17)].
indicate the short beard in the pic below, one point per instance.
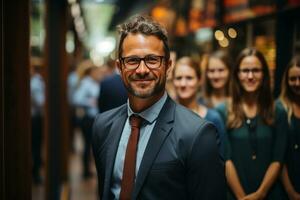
[(158, 88)]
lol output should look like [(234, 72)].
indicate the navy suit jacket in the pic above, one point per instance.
[(112, 93), (181, 160)]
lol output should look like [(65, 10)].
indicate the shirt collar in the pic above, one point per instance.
[(151, 113)]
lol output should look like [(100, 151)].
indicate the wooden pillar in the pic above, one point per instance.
[(15, 101), (56, 106)]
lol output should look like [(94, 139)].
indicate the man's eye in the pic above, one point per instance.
[(152, 59), (133, 60)]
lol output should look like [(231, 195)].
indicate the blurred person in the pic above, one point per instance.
[(86, 96), (290, 100), (72, 83), (113, 92), (152, 147), (256, 135), (217, 74), (187, 81), (37, 95)]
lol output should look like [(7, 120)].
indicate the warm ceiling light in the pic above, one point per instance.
[(232, 33), (224, 42), (219, 35)]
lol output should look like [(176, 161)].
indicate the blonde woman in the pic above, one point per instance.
[(216, 85), (290, 100), (187, 81)]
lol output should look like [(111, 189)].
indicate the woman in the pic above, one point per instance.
[(255, 138), (216, 87), (290, 100), (186, 80)]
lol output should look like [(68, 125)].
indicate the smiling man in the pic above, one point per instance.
[(151, 147)]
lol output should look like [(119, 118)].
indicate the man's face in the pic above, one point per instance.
[(144, 81)]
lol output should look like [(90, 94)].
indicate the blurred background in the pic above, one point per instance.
[(47, 46)]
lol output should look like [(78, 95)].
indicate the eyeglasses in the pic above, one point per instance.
[(133, 62), (254, 71), (294, 78)]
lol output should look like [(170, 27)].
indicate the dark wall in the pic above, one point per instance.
[(15, 104)]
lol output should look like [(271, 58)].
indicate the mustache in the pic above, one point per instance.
[(146, 77)]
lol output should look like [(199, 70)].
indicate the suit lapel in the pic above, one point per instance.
[(159, 134), (115, 135)]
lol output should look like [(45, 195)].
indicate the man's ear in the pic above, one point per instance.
[(169, 66), (119, 65)]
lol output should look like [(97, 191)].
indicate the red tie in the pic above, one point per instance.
[(130, 159)]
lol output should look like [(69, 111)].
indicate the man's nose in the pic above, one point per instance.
[(142, 68)]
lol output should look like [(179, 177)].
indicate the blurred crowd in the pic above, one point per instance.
[(259, 135)]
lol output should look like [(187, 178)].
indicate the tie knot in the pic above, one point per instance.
[(135, 121)]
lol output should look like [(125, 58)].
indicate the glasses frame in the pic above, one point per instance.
[(140, 60), (255, 72)]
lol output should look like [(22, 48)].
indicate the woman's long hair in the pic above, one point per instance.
[(286, 95), (265, 102)]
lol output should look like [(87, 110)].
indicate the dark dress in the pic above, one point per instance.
[(253, 151), (293, 151)]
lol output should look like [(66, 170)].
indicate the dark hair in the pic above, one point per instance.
[(224, 57), (265, 99), (146, 26), (286, 94), (189, 62)]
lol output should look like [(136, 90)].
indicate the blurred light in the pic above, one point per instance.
[(224, 42), (232, 33), (79, 25), (78, 21), (75, 10), (204, 35), (97, 59), (71, 1), (106, 46), (219, 35), (34, 41), (70, 45)]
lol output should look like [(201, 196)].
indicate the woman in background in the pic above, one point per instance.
[(216, 86), (186, 80), (255, 138), (290, 100)]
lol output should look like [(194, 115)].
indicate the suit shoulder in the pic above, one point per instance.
[(190, 130), (185, 116), (109, 115)]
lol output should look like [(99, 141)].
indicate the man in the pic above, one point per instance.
[(172, 154)]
